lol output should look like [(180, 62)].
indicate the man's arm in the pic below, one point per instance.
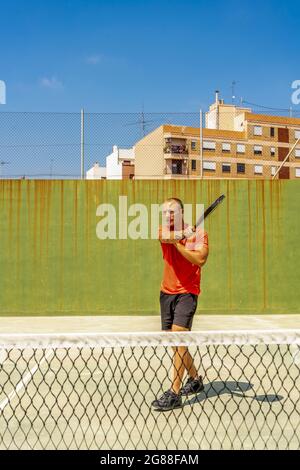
[(197, 257)]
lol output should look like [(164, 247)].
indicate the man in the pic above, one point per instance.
[(184, 252)]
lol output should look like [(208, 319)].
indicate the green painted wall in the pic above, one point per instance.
[(52, 262)]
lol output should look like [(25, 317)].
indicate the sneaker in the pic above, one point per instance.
[(168, 401), (192, 386)]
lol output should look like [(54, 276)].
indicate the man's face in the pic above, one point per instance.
[(172, 215)]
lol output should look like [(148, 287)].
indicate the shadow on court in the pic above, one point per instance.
[(233, 388)]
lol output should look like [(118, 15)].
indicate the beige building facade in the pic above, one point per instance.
[(236, 143)]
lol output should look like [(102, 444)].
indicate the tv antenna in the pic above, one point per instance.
[(143, 122)]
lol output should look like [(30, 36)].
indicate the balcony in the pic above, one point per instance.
[(176, 150)]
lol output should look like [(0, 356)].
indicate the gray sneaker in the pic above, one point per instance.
[(192, 386), (168, 401)]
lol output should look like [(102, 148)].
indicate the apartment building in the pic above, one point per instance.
[(235, 143)]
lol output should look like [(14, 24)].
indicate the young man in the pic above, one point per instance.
[(184, 252)]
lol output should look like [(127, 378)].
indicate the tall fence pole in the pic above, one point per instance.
[(82, 146), (201, 143)]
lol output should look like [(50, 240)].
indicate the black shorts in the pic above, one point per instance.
[(177, 309)]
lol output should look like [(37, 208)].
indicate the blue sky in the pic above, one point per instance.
[(61, 55)]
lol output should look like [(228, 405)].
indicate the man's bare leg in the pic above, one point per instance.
[(182, 360)]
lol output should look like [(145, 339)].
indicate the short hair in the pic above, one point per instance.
[(176, 199)]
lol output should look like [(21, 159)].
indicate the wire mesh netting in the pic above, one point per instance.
[(62, 145), (96, 391), (48, 145)]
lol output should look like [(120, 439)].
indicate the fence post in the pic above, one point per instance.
[(201, 143), (82, 145)]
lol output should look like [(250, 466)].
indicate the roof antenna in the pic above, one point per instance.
[(142, 121), (233, 84)]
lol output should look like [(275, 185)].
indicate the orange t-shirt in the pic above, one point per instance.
[(180, 276)]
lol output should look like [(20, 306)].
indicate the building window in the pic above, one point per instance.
[(272, 132), (194, 165), (257, 150), (240, 167), (226, 147), (176, 167), (258, 169), (257, 130), (240, 148), (273, 151), (209, 145), (193, 145), (209, 166), (226, 167), (297, 134), (297, 153), (273, 170), (297, 173)]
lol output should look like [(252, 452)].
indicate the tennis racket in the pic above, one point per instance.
[(189, 232)]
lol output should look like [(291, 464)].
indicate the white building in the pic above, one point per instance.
[(97, 172), (120, 164)]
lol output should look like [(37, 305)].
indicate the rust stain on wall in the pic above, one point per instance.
[(35, 221), (87, 209), (62, 222), (18, 228), (277, 218), (28, 186), (10, 214), (42, 197), (249, 226), (264, 252), (229, 252), (48, 213), (75, 217), (2, 193)]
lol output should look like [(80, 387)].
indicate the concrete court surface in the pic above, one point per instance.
[(90, 324)]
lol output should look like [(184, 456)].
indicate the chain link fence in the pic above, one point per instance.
[(49, 145), (64, 145)]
